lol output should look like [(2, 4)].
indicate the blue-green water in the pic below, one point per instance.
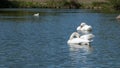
[(41, 42)]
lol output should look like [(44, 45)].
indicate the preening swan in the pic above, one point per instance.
[(84, 27), (75, 39), (37, 14)]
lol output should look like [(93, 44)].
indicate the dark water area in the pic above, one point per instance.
[(27, 41)]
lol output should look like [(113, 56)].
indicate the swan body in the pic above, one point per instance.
[(86, 48), (37, 14), (84, 27), (77, 40)]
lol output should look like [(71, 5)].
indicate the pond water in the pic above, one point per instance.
[(41, 42)]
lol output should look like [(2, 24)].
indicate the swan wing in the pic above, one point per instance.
[(88, 37)]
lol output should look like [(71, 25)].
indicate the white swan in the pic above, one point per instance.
[(118, 17), (75, 39), (37, 14), (84, 27)]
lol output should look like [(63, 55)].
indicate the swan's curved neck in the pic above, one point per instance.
[(74, 35)]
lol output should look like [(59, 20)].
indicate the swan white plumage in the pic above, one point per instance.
[(37, 14), (84, 27), (75, 39), (88, 37)]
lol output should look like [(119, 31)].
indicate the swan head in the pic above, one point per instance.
[(83, 24)]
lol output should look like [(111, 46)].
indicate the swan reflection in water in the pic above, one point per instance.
[(79, 55)]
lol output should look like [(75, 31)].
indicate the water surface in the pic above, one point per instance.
[(41, 42)]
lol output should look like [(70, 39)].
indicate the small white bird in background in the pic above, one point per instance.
[(118, 17), (84, 27), (37, 14)]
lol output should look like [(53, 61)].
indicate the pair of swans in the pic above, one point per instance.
[(81, 39)]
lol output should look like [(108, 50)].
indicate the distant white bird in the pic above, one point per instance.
[(37, 14), (84, 27), (118, 17), (75, 39)]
